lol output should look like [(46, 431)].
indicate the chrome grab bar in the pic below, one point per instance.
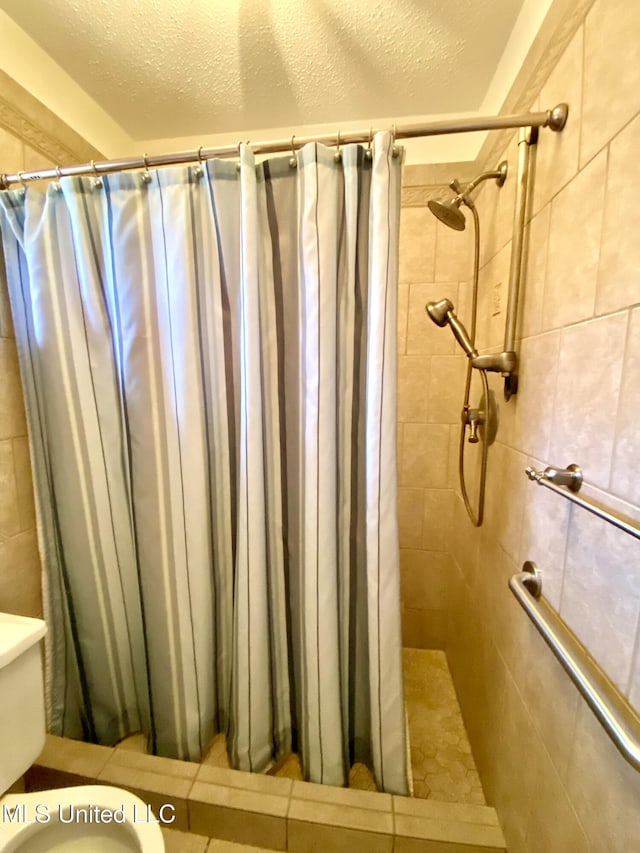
[(571, 477), (615, 714)]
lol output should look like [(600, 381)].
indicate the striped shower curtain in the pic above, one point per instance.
[(209, 363)]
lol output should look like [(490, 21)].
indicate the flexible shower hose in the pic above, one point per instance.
[(476, 519)]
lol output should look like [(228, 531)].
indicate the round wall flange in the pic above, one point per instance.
[(503, 168), (577, 479), (533, 583), (488, 427), (557, 117)]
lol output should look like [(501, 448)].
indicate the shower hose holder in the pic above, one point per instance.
[(505, 363), (501, 362)]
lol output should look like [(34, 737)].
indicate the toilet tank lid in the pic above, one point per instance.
[(17, 634)]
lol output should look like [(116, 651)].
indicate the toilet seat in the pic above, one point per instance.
[(77, 820)]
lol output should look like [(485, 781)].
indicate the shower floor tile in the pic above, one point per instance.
[(441, 760), (360, 776)]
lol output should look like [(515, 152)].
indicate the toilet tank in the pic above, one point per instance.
[(22, 720)]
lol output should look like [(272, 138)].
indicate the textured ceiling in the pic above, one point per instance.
[(168, 68)]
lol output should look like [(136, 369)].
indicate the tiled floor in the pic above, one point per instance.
[(441, 760), (290, 768)]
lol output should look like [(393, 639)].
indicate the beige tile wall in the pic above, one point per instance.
[(434, 263), (556, 780), (19, 559), (31, 137)]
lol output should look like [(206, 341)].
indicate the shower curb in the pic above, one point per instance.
[(271, 812)]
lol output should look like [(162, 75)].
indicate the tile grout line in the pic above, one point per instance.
[(583, 26), (286, 819), (626, 351), (635, 657)]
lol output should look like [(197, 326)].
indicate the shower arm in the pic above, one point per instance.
[(464, 192)]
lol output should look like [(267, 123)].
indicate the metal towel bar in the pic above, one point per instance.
[(571, 477), (616, 716)]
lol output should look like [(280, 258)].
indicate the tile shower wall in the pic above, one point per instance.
[(434, 263), (556, 780), (19, 560), (31, 136)]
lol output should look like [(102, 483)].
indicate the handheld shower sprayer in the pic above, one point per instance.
[(442, 313)]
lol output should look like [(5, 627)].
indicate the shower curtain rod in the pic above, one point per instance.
[(555, 119)]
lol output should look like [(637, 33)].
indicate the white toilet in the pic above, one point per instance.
[(95, 818)]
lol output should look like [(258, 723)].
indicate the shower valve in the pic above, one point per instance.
[(473, 418)]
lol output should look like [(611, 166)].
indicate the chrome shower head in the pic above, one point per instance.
[(449, 212), (442, 313)]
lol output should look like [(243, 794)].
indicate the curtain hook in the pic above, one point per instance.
[(198, 172), (98, 182), (338, 155), (22, 180), (146, 177), (293, 162), (240, 144), (394, 148), (369, 153), (59, 174)]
